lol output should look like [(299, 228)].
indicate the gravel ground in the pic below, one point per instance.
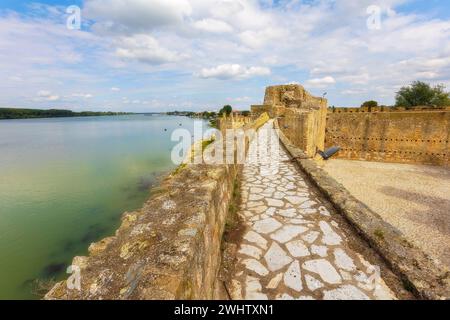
[(413, 198)]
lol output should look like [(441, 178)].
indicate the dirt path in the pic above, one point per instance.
[(413, 198)]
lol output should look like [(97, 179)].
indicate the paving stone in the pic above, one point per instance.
[(253, 290), (296, 200), (345, 292), (255, 266), (266, 226), (274, 202), (254, 197), (275, 281), (311, 236), (290, 186), (293, 277), (319, 250), (259, 209), (308, 211), (324, 211), (343, 261), (287, 233), (276, 258), (329, 236), (251, 204), (297, 249), (307, 204), (288, 213), (324, 269), (284, 296), (256, 238), (298, 221), (312, 283), (279, 195), (251, 251), (345, 275)]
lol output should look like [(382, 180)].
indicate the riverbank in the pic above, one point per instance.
[(16, 113)]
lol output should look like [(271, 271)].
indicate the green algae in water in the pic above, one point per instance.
[(64, 183)]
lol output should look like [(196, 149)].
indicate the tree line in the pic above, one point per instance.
[(16, 113)]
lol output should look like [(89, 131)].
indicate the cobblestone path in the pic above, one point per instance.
[(292, 248)]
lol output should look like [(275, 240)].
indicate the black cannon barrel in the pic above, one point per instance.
[(327, 154)]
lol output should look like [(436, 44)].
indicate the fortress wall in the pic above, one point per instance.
[(306, 130), (168, 249), (302, 117), (391, 136)]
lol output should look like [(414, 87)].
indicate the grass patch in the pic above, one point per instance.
[(40, 287), (232, 218), (195, 148), (179, 168), (379, 234), (206, 143)]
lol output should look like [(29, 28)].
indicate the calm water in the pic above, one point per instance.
[(64, 183)]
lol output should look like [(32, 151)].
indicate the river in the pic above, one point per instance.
[(64, 183)]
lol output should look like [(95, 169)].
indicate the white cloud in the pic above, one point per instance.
[(239, 99), (136, 15), (144, 48), (158, 42), (233, 71), (320, 82), (82, 95), (261, 38), (213, 26), (45, 95), (115, 89)]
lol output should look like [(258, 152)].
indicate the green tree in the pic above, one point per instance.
[(422, 94), (370, 104), (245, 113), (226, 109)]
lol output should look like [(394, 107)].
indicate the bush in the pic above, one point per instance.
[(422, 94)]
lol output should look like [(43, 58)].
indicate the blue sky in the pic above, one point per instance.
[(159, 55)]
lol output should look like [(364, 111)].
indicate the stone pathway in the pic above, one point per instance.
[(292, 248)]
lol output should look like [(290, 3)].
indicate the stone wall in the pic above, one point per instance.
[(292, 96), (420, 273), (390, 136), (170, 248), (234, 121), (302, 117)]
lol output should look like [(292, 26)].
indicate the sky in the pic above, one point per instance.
[(162, 55)]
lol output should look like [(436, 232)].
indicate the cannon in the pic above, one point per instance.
[(327, 154)]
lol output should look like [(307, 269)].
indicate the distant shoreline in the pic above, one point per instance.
[(17, 113)]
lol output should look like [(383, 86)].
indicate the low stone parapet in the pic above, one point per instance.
[(169, 249)]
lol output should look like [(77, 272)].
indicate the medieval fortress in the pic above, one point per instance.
[(380, 134), (229, 232)]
